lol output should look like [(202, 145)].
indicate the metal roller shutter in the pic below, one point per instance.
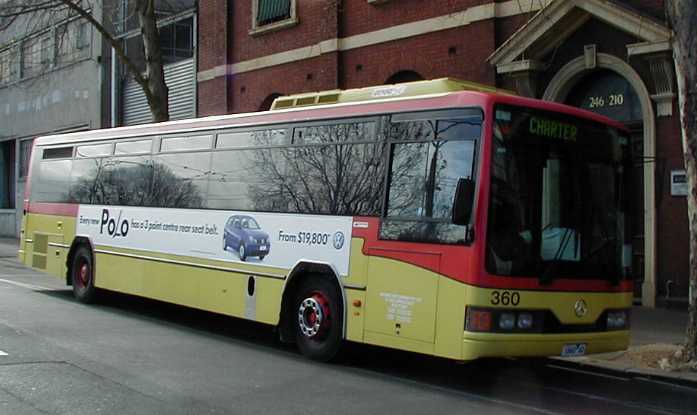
[(181, 81)]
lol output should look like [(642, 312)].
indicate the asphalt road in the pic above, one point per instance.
[(133, 356)]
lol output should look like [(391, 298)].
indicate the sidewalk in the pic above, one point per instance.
[(655, 334), (8, 247)]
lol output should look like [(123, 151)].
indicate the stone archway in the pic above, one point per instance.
[(404, 76), (268, 101), (558, 91)]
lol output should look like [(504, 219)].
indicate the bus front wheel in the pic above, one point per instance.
[(82, 275), (318, 318)]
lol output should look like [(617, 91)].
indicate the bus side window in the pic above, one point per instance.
[(52, 181), (428, 159)]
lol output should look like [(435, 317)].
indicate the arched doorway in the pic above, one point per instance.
[(608, 93), (268, 101), (614, 89), (404, 76)]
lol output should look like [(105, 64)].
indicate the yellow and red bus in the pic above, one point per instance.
[(438, 217)]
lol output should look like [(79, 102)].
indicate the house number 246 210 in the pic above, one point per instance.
[(611, 100)]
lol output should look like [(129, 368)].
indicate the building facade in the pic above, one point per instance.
[(50, 81), (57, 74), (611, 57), (177, 26)]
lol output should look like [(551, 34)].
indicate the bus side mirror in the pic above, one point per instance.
[(464, 202)]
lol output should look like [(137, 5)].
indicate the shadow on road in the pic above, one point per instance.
[(528, 384)]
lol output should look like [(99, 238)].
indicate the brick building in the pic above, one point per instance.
[(611, 57)]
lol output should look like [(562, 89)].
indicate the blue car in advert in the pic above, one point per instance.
[(243, 234)]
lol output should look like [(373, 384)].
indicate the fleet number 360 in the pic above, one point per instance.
[(504, 298)]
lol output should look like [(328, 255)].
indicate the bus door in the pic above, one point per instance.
[(430, 153)]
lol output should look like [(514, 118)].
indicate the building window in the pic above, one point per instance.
[(270, 15), (36, 55), (8, 66), (72, 41), (176, 40), (7, 170)]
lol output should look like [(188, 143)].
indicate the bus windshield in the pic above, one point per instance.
[(557, 201)]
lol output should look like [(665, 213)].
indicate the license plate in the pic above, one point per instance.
[(573, 349), (262, 248)]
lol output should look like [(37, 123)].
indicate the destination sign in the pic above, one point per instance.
[(553, 129)]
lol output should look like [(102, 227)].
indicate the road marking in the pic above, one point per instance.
[(589, 373), (629, 404), (2, 353), (665, 383), (29, 286)]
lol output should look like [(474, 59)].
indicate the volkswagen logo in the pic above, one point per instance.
[(580, 308), (338, 240)]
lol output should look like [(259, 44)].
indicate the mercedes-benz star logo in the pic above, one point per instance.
[(580, 308)]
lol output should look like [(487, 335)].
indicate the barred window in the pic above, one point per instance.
[(8, 66), (272, 15), (36, 55), (73, 41), (270, 11)]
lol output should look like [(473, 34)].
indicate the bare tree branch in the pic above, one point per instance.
[(40, 13), (118, 47)]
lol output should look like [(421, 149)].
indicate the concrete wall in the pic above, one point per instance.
[(64, 97)]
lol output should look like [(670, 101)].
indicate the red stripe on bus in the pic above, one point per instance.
[(57, 209), (462, 263)]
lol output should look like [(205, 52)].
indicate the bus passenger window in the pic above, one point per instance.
[(423, 179), (133, 147)]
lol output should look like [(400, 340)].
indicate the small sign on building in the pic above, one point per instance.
[(678, 183)]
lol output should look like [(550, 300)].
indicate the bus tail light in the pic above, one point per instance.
[(478, 320)]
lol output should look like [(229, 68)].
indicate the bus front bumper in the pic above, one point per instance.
[(477, 345)]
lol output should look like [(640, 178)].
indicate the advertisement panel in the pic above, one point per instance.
[(267, 239)]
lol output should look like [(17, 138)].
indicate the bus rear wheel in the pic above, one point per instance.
[(318, 318), (82, 275)]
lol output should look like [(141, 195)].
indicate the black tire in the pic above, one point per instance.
[(224, 243), (261, 257), (324, 343), (82, 275), (242, 252)]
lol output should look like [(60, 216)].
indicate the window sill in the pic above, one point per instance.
[(272, 27), (376, 2)]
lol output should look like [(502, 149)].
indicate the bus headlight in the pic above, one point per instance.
[(617, 319), (524, 321), (507, 321)]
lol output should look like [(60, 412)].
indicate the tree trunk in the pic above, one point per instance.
[(155, 88), (682, 15)]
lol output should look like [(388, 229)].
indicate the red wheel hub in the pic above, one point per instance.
[(84, 274), (314, 315)]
